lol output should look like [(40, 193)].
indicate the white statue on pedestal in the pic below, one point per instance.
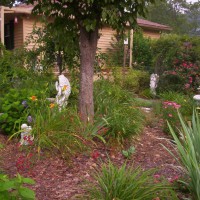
[(153, 83), (64, 89), (26, 137)]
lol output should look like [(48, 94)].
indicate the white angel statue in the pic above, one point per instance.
[(64, 89)]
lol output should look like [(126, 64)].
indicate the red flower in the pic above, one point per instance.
[(95, 155)]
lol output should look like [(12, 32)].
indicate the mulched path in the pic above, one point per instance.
[(57, 179)]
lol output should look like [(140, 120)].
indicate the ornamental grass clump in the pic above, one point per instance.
[(189, 152), (117, 106), (128, 184), (55, 130)]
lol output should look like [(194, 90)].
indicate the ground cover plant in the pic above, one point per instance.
[(131, 80), (14, 189)]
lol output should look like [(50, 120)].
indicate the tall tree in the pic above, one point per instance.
[(193, 16), (170, 12), (89, 16)]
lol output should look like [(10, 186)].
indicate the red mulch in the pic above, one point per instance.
[(57, 179)]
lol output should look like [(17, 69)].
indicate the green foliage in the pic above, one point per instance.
[(146, 93), (116, 52), (169, 109), (48, 45), (100, 61), (101, 13), (55, 130), (13, 110), (88, 18), (139, 102), (11, 71), (13, 74), (12, 102), (127, 184), (176, 59), (171, 13), (127, 153), (115, 105), (188, 149), (13, 189), (142, 52), (132, 80)]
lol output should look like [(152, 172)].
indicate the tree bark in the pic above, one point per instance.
[(88, 46)]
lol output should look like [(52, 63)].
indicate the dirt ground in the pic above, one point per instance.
[(57, 179)]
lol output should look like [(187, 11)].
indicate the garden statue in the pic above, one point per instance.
[(197, 97), (64, 89), (153, 83), (26, 137)]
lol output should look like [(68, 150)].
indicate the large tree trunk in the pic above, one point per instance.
[(88, 46)]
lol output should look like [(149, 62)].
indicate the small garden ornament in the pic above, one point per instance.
[(26, 137), (153, 83), (64, 89), (197, 97)]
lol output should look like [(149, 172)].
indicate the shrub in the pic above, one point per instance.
[(116, 106), (116, 52), (188, 149), (176, 60), (11, 71), (173, 101), (13, 189), (127, 184), (142, 52), (13, 107), (132, 80)]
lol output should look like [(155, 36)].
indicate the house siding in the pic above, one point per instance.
[(28, 24), (151, 34), (18, 34), (107, 37)]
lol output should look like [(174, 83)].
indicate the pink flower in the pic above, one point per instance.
[(187, 85), (170, 115), (156, 176), (173, 179)]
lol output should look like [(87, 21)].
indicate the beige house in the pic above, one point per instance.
[(17, 24)]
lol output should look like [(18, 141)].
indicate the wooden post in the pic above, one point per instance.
[(131, 49), (2, 25)]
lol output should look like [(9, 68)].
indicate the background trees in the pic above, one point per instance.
[(183, 17)]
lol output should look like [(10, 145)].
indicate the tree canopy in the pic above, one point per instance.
[(182, 16), (86, 17)]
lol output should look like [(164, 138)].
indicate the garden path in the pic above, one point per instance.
[(59, 180)]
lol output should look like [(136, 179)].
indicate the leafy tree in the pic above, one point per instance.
[(170, 12), (193, 15), (49, 40), (88, 16)]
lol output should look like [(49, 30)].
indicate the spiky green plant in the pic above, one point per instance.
[(188, 145), (127, 184)]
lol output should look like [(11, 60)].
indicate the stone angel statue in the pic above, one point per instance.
[(153, 83), (64, 89)]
